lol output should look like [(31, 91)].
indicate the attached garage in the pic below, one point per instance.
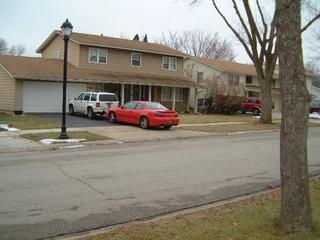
[(47, 96)]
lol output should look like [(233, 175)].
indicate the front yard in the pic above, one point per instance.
[(28, 122), (255, 218)]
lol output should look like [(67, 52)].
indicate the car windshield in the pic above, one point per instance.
[(108, 98), (155, 106)]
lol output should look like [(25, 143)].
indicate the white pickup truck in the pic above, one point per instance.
[(92, 103)]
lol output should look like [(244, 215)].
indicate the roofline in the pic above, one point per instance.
[(56, 32), (6, 70), (196, 59), (98, 81)]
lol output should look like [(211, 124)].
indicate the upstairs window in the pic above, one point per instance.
[(273, 82), (97, 55), (169, 63), (200, 77), (136, 59), (233, 79), (248, 79), (56, 55)]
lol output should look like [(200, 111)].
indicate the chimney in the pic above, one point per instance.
[(136, 37), (145, 38)]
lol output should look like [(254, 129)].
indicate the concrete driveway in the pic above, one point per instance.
[(76, 120)]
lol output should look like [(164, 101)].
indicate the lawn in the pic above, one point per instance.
[(239, 127), (72, 134), (255, 218), (27, 122), (214, 118)]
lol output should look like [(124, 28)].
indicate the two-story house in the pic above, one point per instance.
[(134, 70), (202, 70)]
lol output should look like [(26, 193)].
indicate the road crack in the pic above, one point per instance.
[(77, 179)]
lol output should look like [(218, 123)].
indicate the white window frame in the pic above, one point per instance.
[(132, 59), (98, 55), (169, 64), (56, 55)]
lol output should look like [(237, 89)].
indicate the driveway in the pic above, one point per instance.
[(76, 120)]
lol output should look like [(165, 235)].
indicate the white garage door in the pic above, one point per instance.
[(47, 96)]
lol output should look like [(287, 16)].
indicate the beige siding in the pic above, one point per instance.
[(19, 98), (7, 92), (120, 60), (57, 44)]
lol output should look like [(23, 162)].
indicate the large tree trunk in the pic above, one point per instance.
[(296, 212), (266, 97)]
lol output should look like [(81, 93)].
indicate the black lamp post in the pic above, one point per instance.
[(66, 30)]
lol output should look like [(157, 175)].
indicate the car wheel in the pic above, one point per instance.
[(243, 111), (112, 117), (144, 122), (168, 127), (90, 113), (255, 111), (71, 110)]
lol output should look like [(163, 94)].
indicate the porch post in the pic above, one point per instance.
[(196, 100), (188, 98), (149, 93), (131, 92), (174, 99), (122, 93)]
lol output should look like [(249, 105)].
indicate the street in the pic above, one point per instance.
[(50, 193)]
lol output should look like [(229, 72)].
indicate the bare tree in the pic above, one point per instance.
[(199, 43), (296, 214), (226, 97), (3, 46), (16, 50)]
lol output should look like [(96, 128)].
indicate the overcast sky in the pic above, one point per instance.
[(31, 22)]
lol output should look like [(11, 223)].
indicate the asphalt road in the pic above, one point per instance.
[(51, 193)]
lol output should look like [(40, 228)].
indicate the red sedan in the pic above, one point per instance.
[(145, 114)]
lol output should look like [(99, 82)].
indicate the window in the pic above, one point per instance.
[(130, 105), (169, 63), (86, 97), (248, 79), (56, 55), (273, 82), (179, 94), (233, 79), (80, 96), (167, 94), (136, 59), (139, 106), (200, 77), (93, 97), (97, 55), (108, 98)]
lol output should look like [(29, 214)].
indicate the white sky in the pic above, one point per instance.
[(31, 22)]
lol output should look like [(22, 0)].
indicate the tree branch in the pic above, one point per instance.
[(310, 23)]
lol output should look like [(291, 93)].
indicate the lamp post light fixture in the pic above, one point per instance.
[(66, 30)]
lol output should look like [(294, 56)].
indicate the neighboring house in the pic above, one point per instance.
[(202, 70), (134, 70), (315, 91)]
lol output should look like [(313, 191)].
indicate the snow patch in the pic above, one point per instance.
[(51, 141), (314, 115), (5, 127)]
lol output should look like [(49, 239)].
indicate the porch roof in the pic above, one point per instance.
[(30, 68)]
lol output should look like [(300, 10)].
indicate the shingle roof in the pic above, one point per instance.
[(227, 66), (31, 68), (111, 42)]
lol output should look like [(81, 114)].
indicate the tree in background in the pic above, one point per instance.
[(3, 46), (16, 50), (200, 44)]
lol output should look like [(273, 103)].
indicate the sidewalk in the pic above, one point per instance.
[(10, 141)]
